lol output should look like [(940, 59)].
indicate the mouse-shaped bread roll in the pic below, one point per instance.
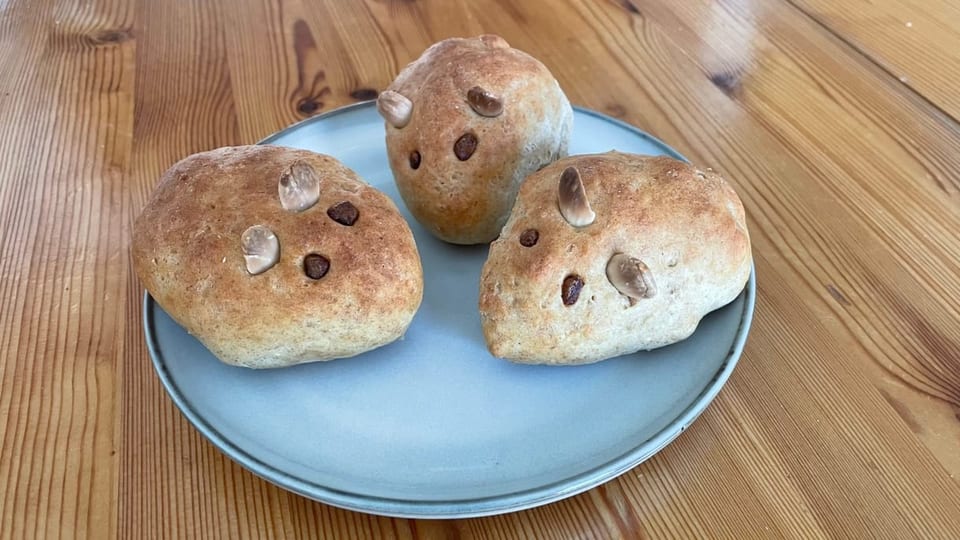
[(610, 254), (273, 256), (465, 123)]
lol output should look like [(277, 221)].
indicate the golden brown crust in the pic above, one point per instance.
[(686, 225), (468, 201), (186, 251)]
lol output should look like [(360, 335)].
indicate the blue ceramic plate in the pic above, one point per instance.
[(432, 425)]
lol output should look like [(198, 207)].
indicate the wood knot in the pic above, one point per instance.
[(728, 81), (629, 7), (308, 106), (108, 37), (364, 94), (837, 295), (616, 110)]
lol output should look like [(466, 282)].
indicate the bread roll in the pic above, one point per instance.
[(272, 256), (465, 123), (610, 254)]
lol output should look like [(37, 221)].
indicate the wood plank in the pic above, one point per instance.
[(885, 158), (67, 107), (171, 484), (916, 41)]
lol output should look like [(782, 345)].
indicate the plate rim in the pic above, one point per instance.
[(463, 508)]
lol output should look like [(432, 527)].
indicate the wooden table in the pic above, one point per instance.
[(837, 122)]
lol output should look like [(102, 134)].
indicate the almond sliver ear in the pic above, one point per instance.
[(299, 187), (572, 198), (261, 249), (395, 108), (484, 103), (631, 276)]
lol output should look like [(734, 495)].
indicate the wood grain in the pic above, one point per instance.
[(67, 96), (842, 419), (820, 204), (915, 41)]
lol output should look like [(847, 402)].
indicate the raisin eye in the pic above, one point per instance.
[(529, 238), (570, 291), (465, 146), (344, 213), (315, 266)]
